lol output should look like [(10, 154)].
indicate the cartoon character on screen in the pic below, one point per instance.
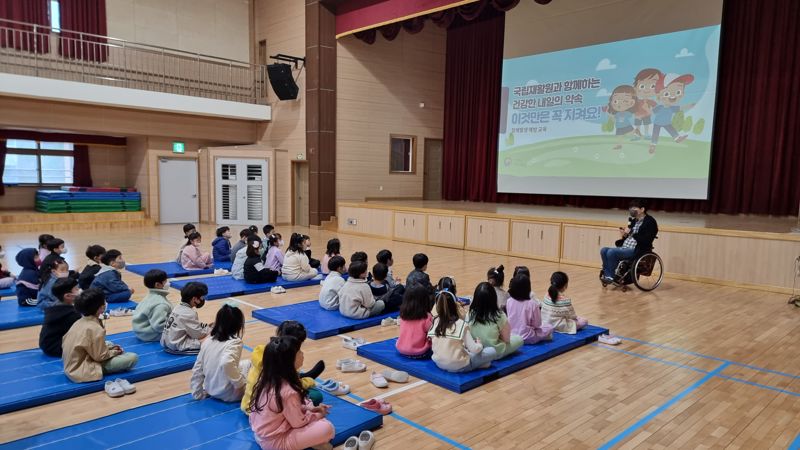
[(645, 85), (620, 104), (669, 92)]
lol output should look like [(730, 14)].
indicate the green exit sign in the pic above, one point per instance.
[(178, 147)]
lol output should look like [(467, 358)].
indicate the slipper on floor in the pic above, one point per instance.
[(114, 390), (353, 366), (398, 376), (351, 443), (126, 386), (388, 322), (352, 343), (378, 380), (366, 440), (378, 406), (340, 362), (334, 387), (609, 339)]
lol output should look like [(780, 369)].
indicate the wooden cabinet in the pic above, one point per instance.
[(536, 240), (409, 226), (582, 243), (487, 234), (446, 230), (375, 222)]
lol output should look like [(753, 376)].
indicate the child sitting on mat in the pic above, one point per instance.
[(361, 256), (496, 277), (315, 263), (43, 251), (255, 272), (557, 309), (93, 254), (51, 270), (28, 280), (219, 371), (454, 348), (187, 230), (385, 257), (241, 243), (418, 275), (109, 280), (274, 256), (152, 312), (298, 331), (295, 264), (192, 258), (87, 355), (523, 270), (332, 250), (524, 313), (59, 318), (489, 324), (415, 321), (329, 293), (392, 297), (221, 245), (184, 331), (281, 414), (355, 297)]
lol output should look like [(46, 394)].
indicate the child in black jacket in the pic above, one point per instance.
[(59, 318)]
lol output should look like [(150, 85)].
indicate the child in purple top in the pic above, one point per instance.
[(524, 314), (273, 259)]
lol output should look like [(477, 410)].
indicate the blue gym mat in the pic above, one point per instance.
[(320, 323), (8, 292), (14, 316), (174, 270), (226, 286), (30, 378), (182, 422), (384, 352), (66, 195)]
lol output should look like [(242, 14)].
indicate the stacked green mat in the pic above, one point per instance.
[(50, 201)]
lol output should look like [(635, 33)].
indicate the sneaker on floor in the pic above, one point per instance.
[(333, 387), (378, 380), (120, 312), (113, 389), (388, 322), (609, 340), (397, 376), (126, 386), (353, 366), (341, 362), (366, 440), (352, 343), (351, 443), (378, 406), (278, 290)]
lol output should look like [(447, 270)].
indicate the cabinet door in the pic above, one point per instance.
[(487, 234), (537, 240), (582, 244), (446, 230), (376, 222), (409, 226)]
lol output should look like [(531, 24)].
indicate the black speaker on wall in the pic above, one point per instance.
[(280, 77)]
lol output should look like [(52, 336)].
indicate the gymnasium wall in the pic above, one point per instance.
[(380, 87), (213, 27)]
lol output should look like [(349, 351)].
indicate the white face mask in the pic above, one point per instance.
[(64, 252), (62, 274), (280, 243), (166, 285)]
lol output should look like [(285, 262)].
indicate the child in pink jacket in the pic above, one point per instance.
[(192, 258)]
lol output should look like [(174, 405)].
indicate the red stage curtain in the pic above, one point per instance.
[(22, 37), (81, 171), (2, 166), (83, 16), (756, 130)]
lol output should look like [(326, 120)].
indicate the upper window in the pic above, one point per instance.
[(55, 16), (402, 154), (33, 162)]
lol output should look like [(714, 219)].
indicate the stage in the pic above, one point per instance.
[(750, 251)]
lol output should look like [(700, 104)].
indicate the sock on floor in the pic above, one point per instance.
[(315, 371)]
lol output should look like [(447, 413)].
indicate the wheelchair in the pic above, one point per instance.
[(645, 272)]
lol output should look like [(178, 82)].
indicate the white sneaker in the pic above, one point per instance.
[(378, 380), (220, 271), (113, 389), (353, 366), (366, 440), (278, 290), (351, 443), (609, 340), (120, 312), (388, 322), (341, 362), (126, 386), (352, 343)]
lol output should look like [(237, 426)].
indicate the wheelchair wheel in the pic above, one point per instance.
[(648, 271)]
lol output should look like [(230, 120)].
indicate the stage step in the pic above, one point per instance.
[(16, 221)]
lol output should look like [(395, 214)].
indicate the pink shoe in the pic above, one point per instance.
[(378, 406)]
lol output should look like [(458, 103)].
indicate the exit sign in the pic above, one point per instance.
[(178, 147)]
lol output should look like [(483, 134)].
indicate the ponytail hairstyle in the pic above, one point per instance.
[(273, 240), (558, 282), (446, 312), (192, 236), (50, 263), (333, 247), (447, 284), (277, 368), (496, 276), (296, 243), (253, 244), (228, 324)]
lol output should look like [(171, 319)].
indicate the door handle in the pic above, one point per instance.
[(194, 195), (451, 226), (598, 240), (480, 229), (440, 224), (404, 222), (529, 233), (541, 235)]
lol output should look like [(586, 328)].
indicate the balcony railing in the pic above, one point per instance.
[(36, 50)]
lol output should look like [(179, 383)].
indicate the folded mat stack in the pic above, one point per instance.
[(60, 201), (96, 189)]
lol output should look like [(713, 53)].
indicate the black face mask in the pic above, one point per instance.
[(632, 212)]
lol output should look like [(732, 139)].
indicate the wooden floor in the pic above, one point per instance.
[(701, 366)]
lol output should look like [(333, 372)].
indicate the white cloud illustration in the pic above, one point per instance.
[(605, 64), (684, 53), (603, 92)]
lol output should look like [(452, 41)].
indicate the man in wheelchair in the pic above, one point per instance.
[(635, 241)]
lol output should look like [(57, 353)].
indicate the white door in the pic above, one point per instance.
[(242, 195), (177, 191)]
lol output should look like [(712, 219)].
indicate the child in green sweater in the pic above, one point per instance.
[(152, 312)]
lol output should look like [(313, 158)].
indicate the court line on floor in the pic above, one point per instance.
[(666, 405)]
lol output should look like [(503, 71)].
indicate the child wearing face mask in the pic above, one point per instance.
[(87, 355), (59, 318), (219, 371), (274, 257), (52, 269), (109, 280), (184, 332), (192, 258), (152, 312), (254, 270)]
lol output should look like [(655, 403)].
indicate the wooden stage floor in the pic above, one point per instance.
[(700, 366)]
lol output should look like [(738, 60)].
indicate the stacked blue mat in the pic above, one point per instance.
[(384, 352), (59, 201), (186, 423), (226, 286), (14, 316), (8, 292), (320, 323), (175, 270), (30, 378)]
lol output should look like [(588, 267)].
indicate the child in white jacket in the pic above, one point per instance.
[(218, 371), (355, 297), (329, 294)]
